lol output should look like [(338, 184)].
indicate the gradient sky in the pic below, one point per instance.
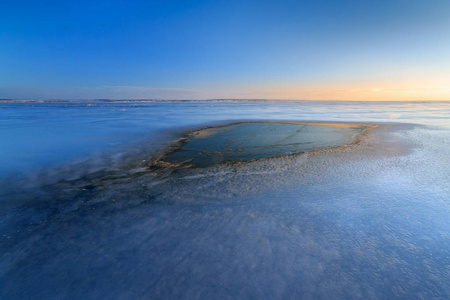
[(328, 50)]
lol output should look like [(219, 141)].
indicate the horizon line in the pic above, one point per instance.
[(200, 100)]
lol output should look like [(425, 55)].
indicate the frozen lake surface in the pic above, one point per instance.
[(83, 215)]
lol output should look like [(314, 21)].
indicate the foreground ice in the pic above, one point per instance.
[(365, 221)]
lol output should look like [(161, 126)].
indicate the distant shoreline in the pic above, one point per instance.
[(208, 100)]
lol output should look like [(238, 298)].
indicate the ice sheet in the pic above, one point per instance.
[(364, 221)]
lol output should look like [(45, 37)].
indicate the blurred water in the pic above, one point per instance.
[(368, 222)]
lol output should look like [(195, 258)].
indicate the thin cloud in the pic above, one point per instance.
[(144, 88), (143, 92)]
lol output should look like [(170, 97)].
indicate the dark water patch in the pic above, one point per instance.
[(247, 141)]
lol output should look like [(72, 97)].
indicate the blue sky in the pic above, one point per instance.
[(356, 50)]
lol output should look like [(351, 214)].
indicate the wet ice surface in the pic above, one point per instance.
[(247, 141), (365, 221)]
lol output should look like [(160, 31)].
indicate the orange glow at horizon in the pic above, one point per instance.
[(423, 90)]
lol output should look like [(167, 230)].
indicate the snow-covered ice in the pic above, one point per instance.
[(82, 216)]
